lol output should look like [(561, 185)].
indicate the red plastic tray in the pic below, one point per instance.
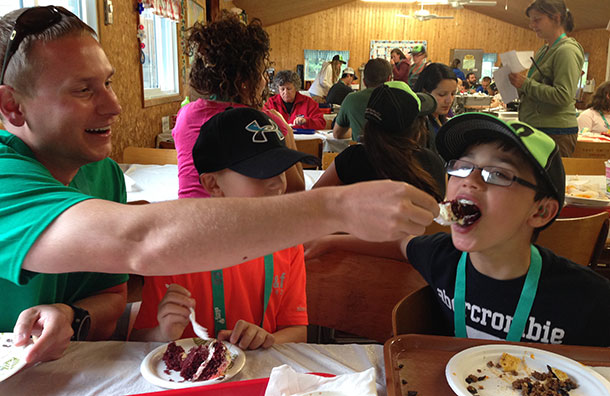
[(254, 387)]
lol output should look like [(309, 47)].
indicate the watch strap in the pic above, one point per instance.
[(80, 324)]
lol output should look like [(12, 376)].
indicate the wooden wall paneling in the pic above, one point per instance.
[(136, 126), (352, 26)]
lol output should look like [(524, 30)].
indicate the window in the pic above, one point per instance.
[(489, 65), (85, 9), (159, 56), (315, 58)]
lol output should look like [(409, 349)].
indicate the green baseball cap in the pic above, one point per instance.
[(541, 151)]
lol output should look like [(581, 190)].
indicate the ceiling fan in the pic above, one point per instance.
[(424, 15)]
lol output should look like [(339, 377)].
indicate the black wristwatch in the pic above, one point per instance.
[(80, 324)]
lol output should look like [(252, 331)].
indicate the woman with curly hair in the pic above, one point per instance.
[(298, 110), (597, 116), (228, 70)]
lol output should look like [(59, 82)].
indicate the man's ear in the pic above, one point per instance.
[(544, 210), (209, 181), (10, 106)]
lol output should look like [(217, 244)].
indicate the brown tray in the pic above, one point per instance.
[(420, 360)]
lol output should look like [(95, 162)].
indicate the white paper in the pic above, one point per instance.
[(507, 90), (284, 381), (517, 61)]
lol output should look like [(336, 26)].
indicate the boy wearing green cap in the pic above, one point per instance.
[(490, 280)]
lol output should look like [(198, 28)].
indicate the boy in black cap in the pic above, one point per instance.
[(239, 153), (490, 280)]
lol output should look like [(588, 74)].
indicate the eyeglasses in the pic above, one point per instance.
[(32, 21), (489, 174)]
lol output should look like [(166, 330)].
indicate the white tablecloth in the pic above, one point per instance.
[(113, 367), (157, 183), (330, 144)]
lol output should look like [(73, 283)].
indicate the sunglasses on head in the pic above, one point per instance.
[(32, 21), (490, 174)]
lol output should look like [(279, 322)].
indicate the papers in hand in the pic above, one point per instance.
[(512, 62), (284, 381)]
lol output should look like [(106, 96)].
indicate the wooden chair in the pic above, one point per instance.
[(310, 146), (145, 155), (419, 313), (584, 166), (327, 159), (355, 293), (580, 239)]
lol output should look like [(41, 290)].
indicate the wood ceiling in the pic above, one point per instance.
[(588, 14)]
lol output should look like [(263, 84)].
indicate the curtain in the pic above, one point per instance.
[(165, 8)]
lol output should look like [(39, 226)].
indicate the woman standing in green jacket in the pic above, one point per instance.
[(548, 91)]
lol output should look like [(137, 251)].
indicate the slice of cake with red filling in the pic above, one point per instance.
[(458, 211), (202, 363)]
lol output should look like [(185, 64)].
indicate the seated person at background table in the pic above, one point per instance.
[(227, 71), (298, 110), (339, 91), (58, 107), (455, 66), (471, 84), (389, 148), (233, 164), (400, 65), (501, 285), (351, 115), (328, 75), (485, 86), (597, 116), (439, 81)]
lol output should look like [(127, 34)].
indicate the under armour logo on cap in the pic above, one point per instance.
[(259, 132)]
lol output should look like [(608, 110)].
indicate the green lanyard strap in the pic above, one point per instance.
[(218, 294), (524, 306), (546, 49), (604, 118)]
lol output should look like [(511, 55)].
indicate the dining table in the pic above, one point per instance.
[(329, 142), (417, 362), (113, 368)]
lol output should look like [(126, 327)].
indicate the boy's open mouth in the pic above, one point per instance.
[(97, 131), (458, 211)]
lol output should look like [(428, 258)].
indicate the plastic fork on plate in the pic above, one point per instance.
[(201, 331)]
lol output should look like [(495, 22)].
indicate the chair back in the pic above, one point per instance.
[(310, 146), (419, 312), (355, 293), (152, 156), (584, 166), (580, 239), (327, 159)]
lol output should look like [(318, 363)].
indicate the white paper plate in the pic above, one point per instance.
[(153, 367), (12, 358), (590, 202), (590, 383)]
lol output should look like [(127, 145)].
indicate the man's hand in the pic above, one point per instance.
[(247, 336), (517, 79), (173, 312), (52, 324), (300, 120), (384, 210)]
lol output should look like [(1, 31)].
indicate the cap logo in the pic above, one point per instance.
[(259, 132), (539, 144)]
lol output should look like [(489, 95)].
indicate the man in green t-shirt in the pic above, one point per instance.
[(62, 210), (376, 72)]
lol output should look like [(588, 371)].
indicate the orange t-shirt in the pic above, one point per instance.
[(244, 287)]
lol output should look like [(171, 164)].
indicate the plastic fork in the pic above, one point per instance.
[(201, 331)]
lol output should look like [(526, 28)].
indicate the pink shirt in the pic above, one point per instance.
[(185, 133)]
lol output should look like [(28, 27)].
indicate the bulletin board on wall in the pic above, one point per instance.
[(383, 48)]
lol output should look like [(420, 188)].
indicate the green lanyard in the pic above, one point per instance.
[(543, 53), (218, 294), (604, 118), (419, 68), (524, 306)]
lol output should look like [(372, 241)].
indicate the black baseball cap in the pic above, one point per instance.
[(246, 141), (394, 106), (338, 58), (418, 49), (538, 148)]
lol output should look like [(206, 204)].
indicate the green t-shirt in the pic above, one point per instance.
[(352, 111), (30, 199)]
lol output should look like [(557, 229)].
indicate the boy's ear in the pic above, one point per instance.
[(545, 210), (10, 107), (209, 181)]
